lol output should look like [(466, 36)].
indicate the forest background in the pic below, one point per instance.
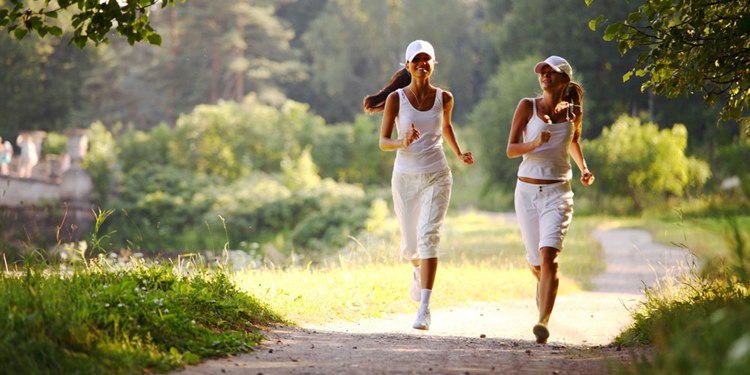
[(246, 126)]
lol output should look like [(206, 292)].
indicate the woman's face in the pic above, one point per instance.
[(550, 80), (421, 65)]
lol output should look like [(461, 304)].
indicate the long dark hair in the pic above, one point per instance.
[(376, 102), (574, 95)]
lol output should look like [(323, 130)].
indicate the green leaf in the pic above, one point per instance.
[(42, 31), (20, 33), (155, 39), (611, 31), (626, 77), (35, 22), (145, 3), (80, 41), (622, 47), (56, 31), (52, 14), (640, 72), (593, 23), (588, 2)]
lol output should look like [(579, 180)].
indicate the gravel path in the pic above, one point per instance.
[(482, 338)]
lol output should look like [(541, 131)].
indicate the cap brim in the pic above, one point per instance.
[(418, 52), (540, 65)]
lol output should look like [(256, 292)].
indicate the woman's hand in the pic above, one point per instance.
[(467, 158), (544, 137), (411, 136), (587, 178)]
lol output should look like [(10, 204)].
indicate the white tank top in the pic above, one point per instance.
[(551, 160), (425, 155)]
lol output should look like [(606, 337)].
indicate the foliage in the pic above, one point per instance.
[(700, 324), (138, 149), (493, 116), (99, 161), (54, 144), (40, 83), (143, 318), (328, 230), (691, 46), (350, 152), (735, 158), (206, 141), (91, 20), (638, 160)]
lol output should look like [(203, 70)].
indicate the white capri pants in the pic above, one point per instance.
[(421, 201), (544, 212)]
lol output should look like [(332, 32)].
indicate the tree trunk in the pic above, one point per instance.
[(239, 87), (172, 58)]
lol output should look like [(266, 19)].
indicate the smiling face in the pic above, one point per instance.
[(421, 65), (550, 80)]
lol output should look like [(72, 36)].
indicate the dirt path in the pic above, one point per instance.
[(483, 338)]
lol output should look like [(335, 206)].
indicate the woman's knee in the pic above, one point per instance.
[(550, 257)]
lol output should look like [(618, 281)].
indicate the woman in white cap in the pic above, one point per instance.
[(550, 127), (421, 182)]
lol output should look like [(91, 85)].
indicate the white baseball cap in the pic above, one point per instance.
[(557, 64), (419, 46)]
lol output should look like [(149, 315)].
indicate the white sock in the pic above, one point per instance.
[(424, 304)]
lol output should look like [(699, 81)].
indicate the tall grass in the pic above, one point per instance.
[(93, 316), (147, 317), (699, 324)]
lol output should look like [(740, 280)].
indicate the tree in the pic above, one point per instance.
[(690, 46), (91, 20), (639, 160)]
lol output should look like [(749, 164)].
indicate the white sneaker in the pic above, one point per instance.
[(416, 286), (423, 320)]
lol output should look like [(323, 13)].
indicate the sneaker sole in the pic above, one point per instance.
[(541, 332), (422, 328)]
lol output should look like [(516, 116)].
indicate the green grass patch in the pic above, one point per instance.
[(698, 324), (94, 320)]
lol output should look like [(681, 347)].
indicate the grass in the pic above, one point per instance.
[(147, 317), (698, 324), (482, 259)]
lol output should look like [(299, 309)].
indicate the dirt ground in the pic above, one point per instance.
[(482, 338)]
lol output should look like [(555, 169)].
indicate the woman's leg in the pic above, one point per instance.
[(549, 282), (434, 201)]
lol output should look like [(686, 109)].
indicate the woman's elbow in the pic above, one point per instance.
[(510, 153)]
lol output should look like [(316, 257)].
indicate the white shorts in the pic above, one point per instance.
[(544, 213), (421, 201)]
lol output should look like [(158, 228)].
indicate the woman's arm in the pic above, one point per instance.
[(587, 178), (449, 134), (389, 121), (515, 148)]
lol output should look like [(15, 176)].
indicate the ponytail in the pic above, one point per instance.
[(376, 103), (574, 95)]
